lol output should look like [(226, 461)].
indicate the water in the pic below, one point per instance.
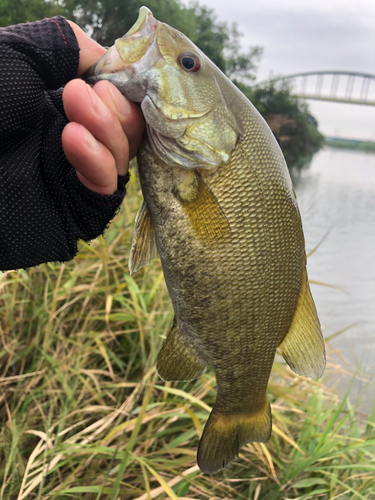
[(336, 195)]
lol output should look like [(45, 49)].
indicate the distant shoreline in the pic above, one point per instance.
[(335, 142)]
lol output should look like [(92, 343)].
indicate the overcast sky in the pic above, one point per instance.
[(311, 35)]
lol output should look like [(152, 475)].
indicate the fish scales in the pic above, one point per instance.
[(220, 210)]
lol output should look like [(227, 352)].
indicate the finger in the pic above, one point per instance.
[(94, 163), (128, 113), (82, 105)]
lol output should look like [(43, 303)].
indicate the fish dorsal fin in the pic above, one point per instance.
[(143, 249), (303, 346), (178, 360), (203, 209)]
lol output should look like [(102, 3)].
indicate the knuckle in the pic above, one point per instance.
[(119, 139)]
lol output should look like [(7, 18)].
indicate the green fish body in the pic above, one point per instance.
[(220, 210)]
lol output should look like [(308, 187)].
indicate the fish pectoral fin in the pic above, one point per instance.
[(143, 249), (224, 435), (177, 360), (204, 211), (303, 346)]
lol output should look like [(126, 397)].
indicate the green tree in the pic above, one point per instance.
[(221, 43), (21, 11), (106, 20), (289, 119)]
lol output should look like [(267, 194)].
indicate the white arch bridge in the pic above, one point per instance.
[(336, 86)]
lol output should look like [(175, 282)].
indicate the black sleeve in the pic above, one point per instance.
[(44, 209)]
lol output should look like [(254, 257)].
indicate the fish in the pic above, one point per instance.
[(220, 210)]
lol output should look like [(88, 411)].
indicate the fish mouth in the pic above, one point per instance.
[(110, 62), (145, 24), (131, 53)]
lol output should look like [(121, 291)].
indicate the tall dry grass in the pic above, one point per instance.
[(84, 414)]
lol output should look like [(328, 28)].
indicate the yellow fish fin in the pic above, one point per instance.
[(203, 209), (143, 249), (303, 346), (224, 435), (177, 360)]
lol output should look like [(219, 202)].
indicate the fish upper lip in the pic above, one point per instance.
[(145, 24)]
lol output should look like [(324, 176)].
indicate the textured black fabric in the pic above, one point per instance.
[(44, 209)]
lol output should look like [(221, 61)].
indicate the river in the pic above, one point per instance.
[(336, 196)]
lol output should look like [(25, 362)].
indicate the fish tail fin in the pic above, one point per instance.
[(224, 435)]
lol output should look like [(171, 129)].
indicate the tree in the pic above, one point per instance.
[(106, 20), (289, 119), (21, 11)]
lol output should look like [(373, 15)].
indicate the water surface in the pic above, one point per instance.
[(336, 195)]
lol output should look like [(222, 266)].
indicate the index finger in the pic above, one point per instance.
[(128, 113)]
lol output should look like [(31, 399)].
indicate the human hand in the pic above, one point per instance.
[(45, 208), (105, 129)]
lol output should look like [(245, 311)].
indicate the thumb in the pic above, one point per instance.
[(90, 51)]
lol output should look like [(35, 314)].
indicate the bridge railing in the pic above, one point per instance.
[(336, 86)]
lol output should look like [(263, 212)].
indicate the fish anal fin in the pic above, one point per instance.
[(224, 435), (303, 346), (202, 207), (143, 249), (177, 360)]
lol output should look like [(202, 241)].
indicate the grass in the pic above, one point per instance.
[(84, 414)]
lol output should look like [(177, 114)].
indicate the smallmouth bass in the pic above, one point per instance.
[(220, 210)]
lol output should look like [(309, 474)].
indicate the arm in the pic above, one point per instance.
[(45, 204)]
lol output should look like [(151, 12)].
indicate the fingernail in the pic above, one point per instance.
[(90, 140), (98, 104), (122, 105)]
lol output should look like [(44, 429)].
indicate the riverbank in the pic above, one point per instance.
[(335, 142), (84, 414)]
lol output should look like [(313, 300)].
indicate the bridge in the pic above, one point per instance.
[(334, 86)]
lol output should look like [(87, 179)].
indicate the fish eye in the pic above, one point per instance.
[(189, 62)]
